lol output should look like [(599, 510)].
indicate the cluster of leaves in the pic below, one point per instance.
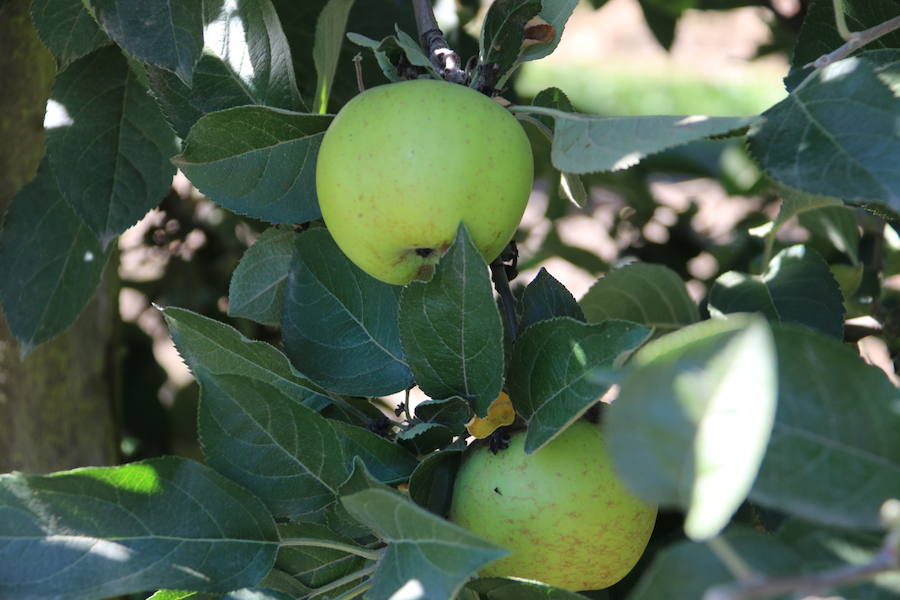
[(307, 488)]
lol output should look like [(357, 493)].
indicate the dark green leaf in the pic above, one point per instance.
[(385, 460), (106, 531), (247, 60), (686, 570), (435, 554), (314, 566), (453, 413), (451, 331), (501, 39), (545, 298), (422, 438), (160, 32), (797, 287), (561, 367), (109, 147), (499, 588), (67, 28), (691, 423), (662, 20), (257, 161), (589, 143), (819, 34), (50, 263), (339, 324), (219, 349), (652, 295), (834, 456), (807, 142), (431, 484), (330, 28), (257, 284), (287, 454)]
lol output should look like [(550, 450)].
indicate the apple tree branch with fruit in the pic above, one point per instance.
[(640, 442)]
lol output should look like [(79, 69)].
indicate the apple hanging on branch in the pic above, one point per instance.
[(563, 513), (403, 164)]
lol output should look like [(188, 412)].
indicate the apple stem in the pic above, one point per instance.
[(432, 39)]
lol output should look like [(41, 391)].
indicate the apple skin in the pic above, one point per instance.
[(563, 513), (402, 164)]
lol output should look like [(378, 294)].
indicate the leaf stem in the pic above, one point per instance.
[(365, 571), (855, 41), (349, 548), (355, 591), (840, 19), (733, 561), (436, 47)]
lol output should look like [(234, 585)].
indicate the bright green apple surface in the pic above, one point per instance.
[(563, 513), (403, 164)]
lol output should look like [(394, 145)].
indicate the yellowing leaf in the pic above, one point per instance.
[(500, 413)]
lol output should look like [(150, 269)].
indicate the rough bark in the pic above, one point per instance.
[(56, 407)]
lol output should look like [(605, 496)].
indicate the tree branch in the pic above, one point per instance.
[(432, 39), (500, 275), (855, 41), (887, 559)]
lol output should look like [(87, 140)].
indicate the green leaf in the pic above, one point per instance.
[(425, 553), (561, 367), (257, 284), (431, 484), (66, 28), (545, 298), (385, 460), (451, 331), (160, 32), (315, 566), (556, 13), (834, 456), (691, 423), (501, 38), (106, 531), (246, 60), (819, 35), (388, 53), (422, 438), (661, 18), (257, 161), (257, 593), (501, 588), (834, 226), (589, 143), (807, 142), (686, 570), (649, 294), (339, 324), (50, 263), (797, 287), (453, 413), (219, 349), (571, 185), (287, 454), (109, 147), (330, 29)]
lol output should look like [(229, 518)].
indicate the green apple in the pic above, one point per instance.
[(403, 164), (562, 511)]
